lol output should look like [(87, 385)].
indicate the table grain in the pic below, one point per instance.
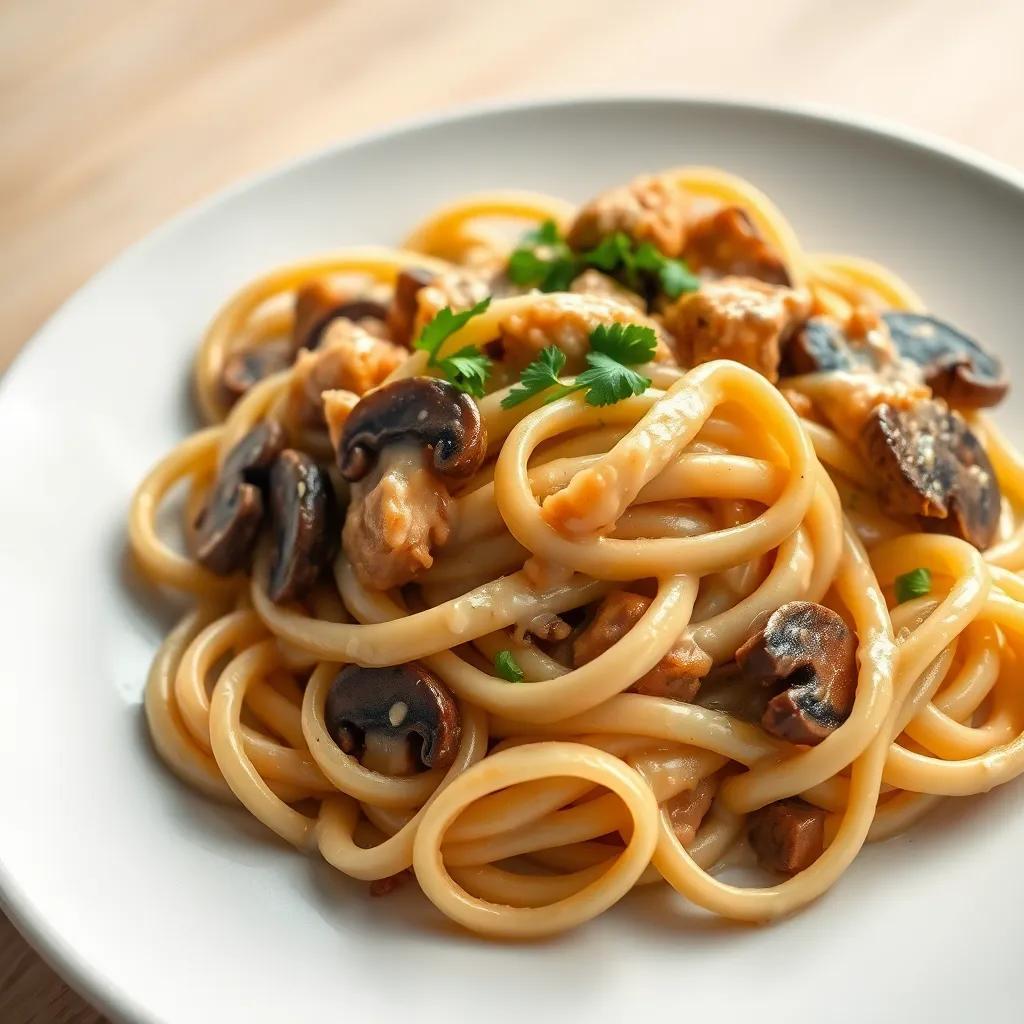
[(118, 113)]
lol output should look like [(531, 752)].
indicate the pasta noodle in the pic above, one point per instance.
[(764, 604)]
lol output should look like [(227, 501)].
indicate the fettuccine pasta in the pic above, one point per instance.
[(568, 550)]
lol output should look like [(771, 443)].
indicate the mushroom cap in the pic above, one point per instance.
[(818, 347), (253, 455), (932, 465), (432, 413), (226, 528), (401, 702), (302, 511), (246, 367), (956, 367), (317, 304), (810, 651)]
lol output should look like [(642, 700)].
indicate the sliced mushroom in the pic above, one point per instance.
[(246, 367), (397, 720), (820, 346), (225, 531), (317, 304), (807, 653), (955, 366), (930, 464), (677, 675), (405, 304), (727, 242), (788, 836), (302, 514), (430, 413)]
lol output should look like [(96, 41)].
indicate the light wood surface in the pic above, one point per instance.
[(118, 113)]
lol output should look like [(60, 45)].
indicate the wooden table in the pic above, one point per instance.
[(117, 113)]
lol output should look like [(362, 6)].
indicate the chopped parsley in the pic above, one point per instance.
[(468, 368), (507, 667), (544, 260), (609, 377), (916, 583)]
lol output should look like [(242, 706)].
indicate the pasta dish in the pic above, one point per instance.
[(568, 550)]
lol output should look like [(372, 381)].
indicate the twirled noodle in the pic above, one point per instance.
[(704, 502)]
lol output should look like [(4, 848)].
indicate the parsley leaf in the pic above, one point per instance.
[(468, 368), (543, 260), (507, 667), (629, 344), (608, 378), (612, 252), (545, 234), (444, 324), (540, 375), (676, 278), (608, 381), (916, 583)]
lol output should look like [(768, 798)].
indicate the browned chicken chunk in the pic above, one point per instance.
[(397, 516), (349, 358), (736, 318), (687, 811), (787, 836), (648, 209), (679, 672), (726, 242)]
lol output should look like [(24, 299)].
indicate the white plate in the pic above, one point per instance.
[(164, 907)]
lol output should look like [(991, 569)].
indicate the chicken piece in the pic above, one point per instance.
[(736, 318), (338, 404), (349, 358), (687, 810), (566, 320), (459, 288), (727, 242), (787, 836), (398, 514), (648, 209), (679, 672), (602, 286)]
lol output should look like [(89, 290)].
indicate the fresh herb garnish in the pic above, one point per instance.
[(506, 666), (916, 583), (468, 368), (545, 261), (608, 378)]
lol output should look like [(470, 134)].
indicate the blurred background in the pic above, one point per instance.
[(119, 113)]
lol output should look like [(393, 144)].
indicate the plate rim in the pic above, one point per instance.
[(100, 990)]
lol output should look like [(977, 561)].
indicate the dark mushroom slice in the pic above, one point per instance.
[(247, 367), (930, 464), (317, 304), (820, 346), (807, 653), (955, 366), (788, 836), (401, 317), (252, 457), (397, 720), (430, 413), (302, 512), (225, 530)]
